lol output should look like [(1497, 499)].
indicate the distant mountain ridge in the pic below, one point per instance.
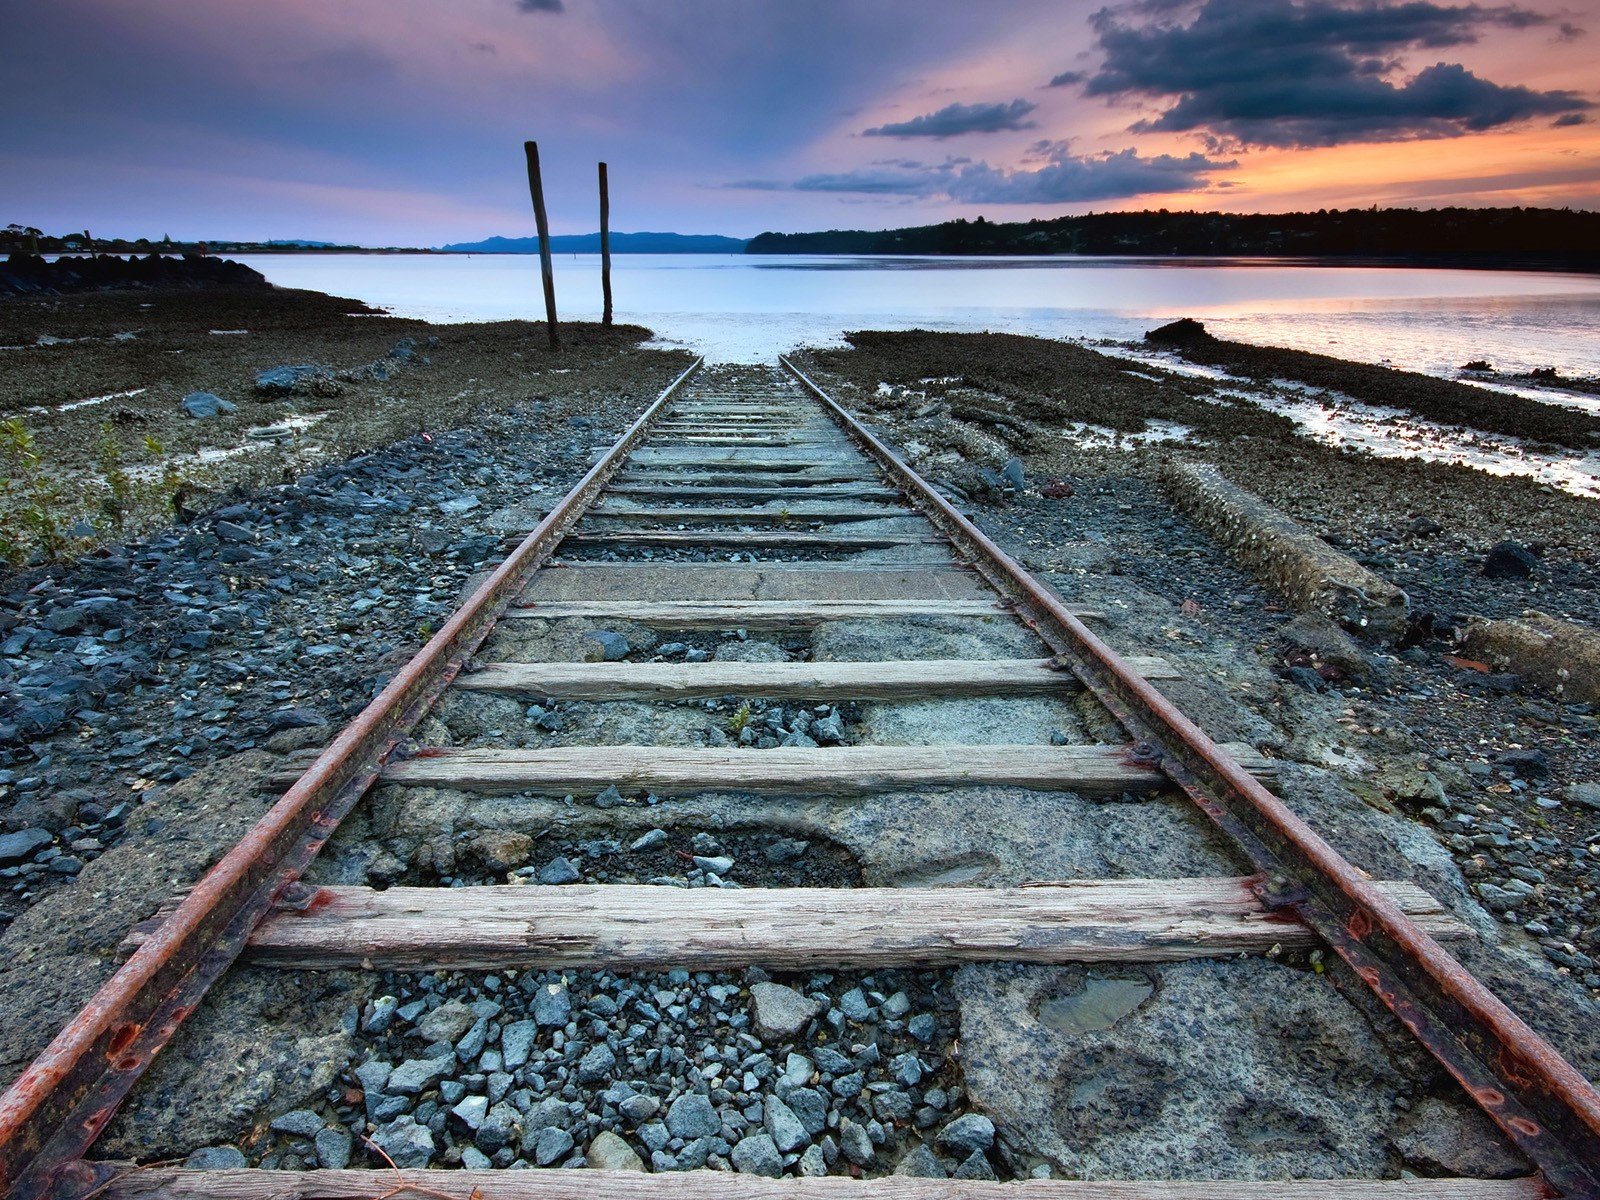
[(621, 243)]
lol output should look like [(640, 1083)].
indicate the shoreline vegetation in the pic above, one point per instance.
[(1537, 239), (129, 407)]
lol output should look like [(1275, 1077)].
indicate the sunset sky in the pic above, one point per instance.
[(401, 121)]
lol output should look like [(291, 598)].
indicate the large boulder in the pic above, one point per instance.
[(1182, 332)]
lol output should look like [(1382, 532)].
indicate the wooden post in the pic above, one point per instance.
[(546, 268), (605, 243)]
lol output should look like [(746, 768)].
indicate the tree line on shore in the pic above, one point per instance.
[(1566, 237)]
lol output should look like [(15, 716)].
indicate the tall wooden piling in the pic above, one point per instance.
[(546, 268), (605, 243)]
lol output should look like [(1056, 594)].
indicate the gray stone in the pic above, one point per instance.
[(921, 1027), (446, 1023), (205, 406), (1498, 898), (382, 1014), (655, 1135), (1586, 794), (499, 1128), (828, 730), (720, 865), (472, 1111), (20, 847), (811, 1106), (692, 1116), (812, 1163), (609, 646), (374, 1076), (333, 1148), (854, 1004), (920, 1163), (1013, 474), (302, 1122), (693, 1156), (787, 1130), (280, 381), (781, 1012), (558, 870), (472, 1042), (549, 1111), (968, 1132), (848, 1086), (976, 1166), (553, 1144), (216, 1158), (516, 1040), (650, 841), (894, 1105), (417, 1075), (552, 1006), (906, 1069), (597, 1064), (640, 1108), (855, 1144), (608, 1152), (757, 1155), (406, 1143)]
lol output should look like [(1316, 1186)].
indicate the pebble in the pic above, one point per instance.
[(780, 1011), (692, 1116), (558, 870), (608, 1152), (552, 1006), (968, 1133), (650, 841), (609, 646), (756, 1154)]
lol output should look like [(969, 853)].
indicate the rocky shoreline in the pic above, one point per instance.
[(1503, 774), (33, 275)]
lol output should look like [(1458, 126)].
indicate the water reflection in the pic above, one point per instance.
[(748, 308)]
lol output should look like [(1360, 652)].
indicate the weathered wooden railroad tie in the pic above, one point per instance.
[(768, 508)]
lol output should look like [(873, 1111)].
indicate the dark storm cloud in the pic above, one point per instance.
[(1063, 178), (1569, 120), (956, 119), (550, 6), (1314, 73), (1068, 78)]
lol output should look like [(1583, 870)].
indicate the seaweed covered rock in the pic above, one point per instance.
[(1183, 332)]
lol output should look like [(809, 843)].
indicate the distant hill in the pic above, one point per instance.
[(1545, 237), (621, 243)]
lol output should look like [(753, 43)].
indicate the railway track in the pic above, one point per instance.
[(753, 502)]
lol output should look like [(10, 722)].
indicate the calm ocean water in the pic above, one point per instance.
[(749, 308)]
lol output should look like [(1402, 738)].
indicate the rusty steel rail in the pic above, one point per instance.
[(1543, 1104), (55, 1109)]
